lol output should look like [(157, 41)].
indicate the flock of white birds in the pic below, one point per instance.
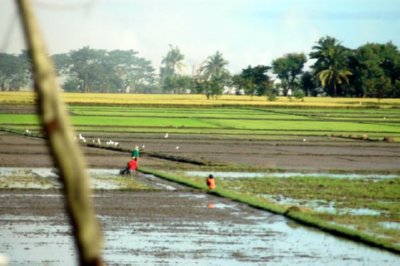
[(110, 142)]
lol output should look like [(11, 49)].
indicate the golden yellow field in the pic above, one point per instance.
[(200, 100)]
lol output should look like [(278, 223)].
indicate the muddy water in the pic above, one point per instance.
[(213, 231), (322, 206), (286, 175), (170, 227)]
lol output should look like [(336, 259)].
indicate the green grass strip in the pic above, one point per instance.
[(236, 196), (292, 212), (341, 231)]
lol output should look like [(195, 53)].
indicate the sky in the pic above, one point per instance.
[(246, 32)]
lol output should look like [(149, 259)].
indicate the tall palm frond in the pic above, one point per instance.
[(214, 66), (332, 77)]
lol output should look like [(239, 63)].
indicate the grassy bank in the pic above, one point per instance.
[(340, 225)]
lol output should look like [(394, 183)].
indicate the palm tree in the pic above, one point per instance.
[(213, 75), (324, 52), (214, 67), (331, 65), (333, 78), (171, 65), (173, 61)]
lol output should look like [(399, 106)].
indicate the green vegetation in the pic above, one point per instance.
[(253, 121), (371, 70), (346, 192), (29, 180), (120, 183), (288, 69)]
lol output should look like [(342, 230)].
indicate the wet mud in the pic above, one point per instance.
[(170, 227), (165, 225), (317, 154)]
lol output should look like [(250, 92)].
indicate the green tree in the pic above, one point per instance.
[(91, 68), (84, 66), (171, 65), (376, 70), (214, 75), (288, 69), (62, 63), (333, 79), (308, 84), (253, 80), (184, 83), (331, 66), (103, 71), (15, 71), (132, 70), (72, 84)]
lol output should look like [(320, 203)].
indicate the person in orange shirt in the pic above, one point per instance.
[(211, 182)]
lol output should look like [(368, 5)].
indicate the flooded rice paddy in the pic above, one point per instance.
[(213, 232), (288, 175), (322, 206), (315, 205), (170, 225)]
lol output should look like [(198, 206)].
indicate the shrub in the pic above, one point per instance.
[(299, 94)]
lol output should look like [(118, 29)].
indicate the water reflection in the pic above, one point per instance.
[(286, 175)]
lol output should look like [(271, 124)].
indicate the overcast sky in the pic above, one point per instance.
[(246, 32)]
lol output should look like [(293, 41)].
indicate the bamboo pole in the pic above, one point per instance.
[(65, 151)]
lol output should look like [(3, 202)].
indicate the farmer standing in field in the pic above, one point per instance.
[(211, 182), (135, 153)]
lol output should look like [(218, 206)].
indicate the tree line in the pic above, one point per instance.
[(371, 70)]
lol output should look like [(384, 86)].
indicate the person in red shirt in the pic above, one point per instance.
[(133, 166)]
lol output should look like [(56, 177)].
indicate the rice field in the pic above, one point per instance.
[(244, 133), (201, 100), (239, 115)]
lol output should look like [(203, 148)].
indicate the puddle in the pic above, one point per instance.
[(285, 175), (28, 241), (322, 206), (46, 178), (360, 212), (158, 184), (255, 238), (222, 206), (223, 174), (390, 225), (36, 172), (192, 195), (97, 183), (103, 172), (232, 234)]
